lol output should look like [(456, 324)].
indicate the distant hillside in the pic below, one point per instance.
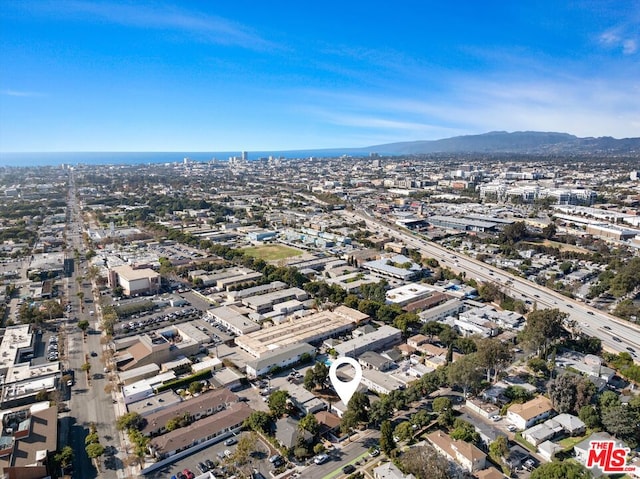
[(524, 142)]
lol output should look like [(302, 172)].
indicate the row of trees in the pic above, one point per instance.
[(92, 445), (133, 423)]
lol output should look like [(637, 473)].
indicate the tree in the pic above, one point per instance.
[(444, 408), (464, 431), (277, 402), (309, 423), (309, 382), (421, 418), (359, 404), (91, 438), (607, 400), (380, 411), (195, 387), (622, 422), (517, 394), (387, 444), (320, 373), (441, 403), (65, 457), (568, 392), (538, 365), (86, 367), (52, 308), (94, 450), (319, 448), (403, 431), (499, 449), (566, 267), (465, 373), (425, 462), (514, 232), (447, 335), (140, 443), (83, 324), (349, 421), (130, 420), (549, 231), (589, 416), (491, 292), (246, 445), (543, 327), (258, 421), (493, 355), (561, 470)]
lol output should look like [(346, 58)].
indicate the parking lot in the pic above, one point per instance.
[(259, 460)]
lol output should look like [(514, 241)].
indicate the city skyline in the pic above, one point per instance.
[(116, 76)]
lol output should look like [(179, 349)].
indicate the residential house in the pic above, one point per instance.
[(571, 424), (490, 473), (288, 433), (529, 413), (329, 424), (548, 450), (466, 454), (389, 470), (373, 360)]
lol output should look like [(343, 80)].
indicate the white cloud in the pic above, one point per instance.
[(629, 46), (610, 38), (621, 38), (583, 107), (204, 27), (18, 93)]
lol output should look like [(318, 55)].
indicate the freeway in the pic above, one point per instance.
[(616, 334)]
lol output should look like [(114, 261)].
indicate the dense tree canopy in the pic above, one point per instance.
[(542, 328), (425, 462), (561, 470), (569, 392)]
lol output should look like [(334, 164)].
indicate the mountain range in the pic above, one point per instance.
[(518, 142)]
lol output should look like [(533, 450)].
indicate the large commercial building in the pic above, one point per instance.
[(309, 329), (231, 317), (280, 357), (134, 281), (395, 266), (379, 339), (264, 302)]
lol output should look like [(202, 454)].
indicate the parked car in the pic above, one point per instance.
[(320, 459), (231, 441), (348, 469)]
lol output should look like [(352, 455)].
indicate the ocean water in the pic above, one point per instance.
[(139, 158)]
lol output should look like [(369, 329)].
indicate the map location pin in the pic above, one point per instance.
[(345, 389)]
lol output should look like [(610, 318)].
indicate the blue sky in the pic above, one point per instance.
[(253, 75)]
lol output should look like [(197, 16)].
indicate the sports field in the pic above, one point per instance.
[(272, 252)]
